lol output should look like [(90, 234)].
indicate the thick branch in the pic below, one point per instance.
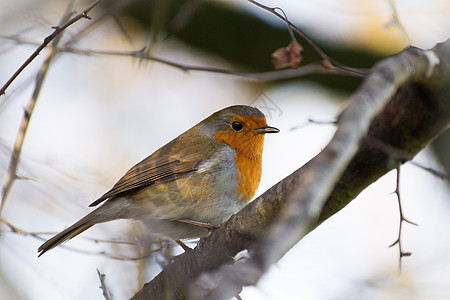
[(404, 103)]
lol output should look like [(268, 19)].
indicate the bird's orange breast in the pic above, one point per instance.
[(250, 175), (248, 158)]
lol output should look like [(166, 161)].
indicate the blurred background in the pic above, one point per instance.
[(97, 115)]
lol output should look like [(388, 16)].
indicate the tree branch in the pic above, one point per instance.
[(404, 102)]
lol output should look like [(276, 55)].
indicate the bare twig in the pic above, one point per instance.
[(396, 21), (326, 60), (291, 32), (16, 229), (402, 219), (434, 172), (311, 121), (113, 256), (106, 292), (314, 68), (283, 17), (37, 235), (263, 76), (66, 21), (11, 173), (57, 31), (111, 11)]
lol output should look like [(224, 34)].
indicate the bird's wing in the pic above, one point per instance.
[(152, 170)]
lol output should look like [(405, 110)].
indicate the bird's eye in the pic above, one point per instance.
[(237, 126)]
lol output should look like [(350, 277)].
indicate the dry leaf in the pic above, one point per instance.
[(289, 56)]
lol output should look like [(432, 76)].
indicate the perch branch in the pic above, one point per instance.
[(394, 104), (304, 205)]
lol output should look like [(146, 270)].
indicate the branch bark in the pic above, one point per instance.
[(400, 108)]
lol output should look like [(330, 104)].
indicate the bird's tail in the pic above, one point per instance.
[(85, 223)]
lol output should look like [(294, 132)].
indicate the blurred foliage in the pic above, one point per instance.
[(238, 36)]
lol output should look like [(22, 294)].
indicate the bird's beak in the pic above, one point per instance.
[(267, 129)]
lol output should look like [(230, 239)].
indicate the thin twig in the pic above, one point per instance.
[(396, 21), (283, 17), (111, 11), (398, 242), (106, 292), (15, 229), (311, 121), (57, 30), (263, 76), (313, 68), (11, 173), (291, 32), (324, 57), (66, 21), (113, 256), (399, 155), (434, 172), (37, 235)]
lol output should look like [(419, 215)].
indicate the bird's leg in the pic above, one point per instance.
[(208, 226)]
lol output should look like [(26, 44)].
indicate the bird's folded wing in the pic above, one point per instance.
[(152, 170)]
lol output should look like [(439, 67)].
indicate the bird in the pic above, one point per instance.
[(198, 179)]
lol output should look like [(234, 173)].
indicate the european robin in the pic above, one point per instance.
[(203, 176)]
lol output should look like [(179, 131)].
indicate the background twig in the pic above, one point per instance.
[(106, 292), (11, 173), (57, 31), (313, 68), (396, 21), (398, 242)]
